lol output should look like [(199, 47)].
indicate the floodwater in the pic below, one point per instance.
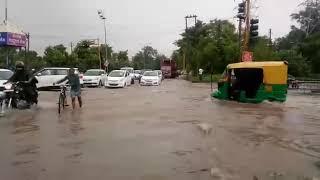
[(172, 132)]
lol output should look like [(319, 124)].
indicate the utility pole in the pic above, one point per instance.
[(185, 49), (240, 39), (247, 29), (27, 49), (28, 38), (5, 22), (105, 37), (241, 16), (187, 36), (99, 53), (270, 37), (6, 12), (71, 47)]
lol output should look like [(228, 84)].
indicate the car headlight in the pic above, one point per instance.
[(8, 86)]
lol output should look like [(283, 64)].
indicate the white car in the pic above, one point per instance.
[(131, 71), (118, 78), (160, 74), (137, 74), (5, 74), (48, 76), (150, 78), (94, 77)]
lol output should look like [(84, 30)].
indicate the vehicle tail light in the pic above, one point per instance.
[(81, 76)]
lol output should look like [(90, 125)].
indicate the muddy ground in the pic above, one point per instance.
[(172, 132)]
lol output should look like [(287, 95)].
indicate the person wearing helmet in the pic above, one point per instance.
[(21, 75)]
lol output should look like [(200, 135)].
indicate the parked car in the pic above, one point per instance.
[(160, 74), (5, 74), (131, 71), (48, 76), (150, 78), (142, 72), (137, 74), (94, 77), (118, 78)]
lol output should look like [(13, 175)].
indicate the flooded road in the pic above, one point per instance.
[(172, 132)]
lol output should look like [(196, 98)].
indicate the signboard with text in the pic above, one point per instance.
[(12, 39), (3, 39), (247, 56)]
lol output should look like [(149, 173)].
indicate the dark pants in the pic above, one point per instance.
[(30, 93), (200, 77)]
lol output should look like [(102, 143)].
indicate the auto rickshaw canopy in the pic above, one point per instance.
[(274, 72)]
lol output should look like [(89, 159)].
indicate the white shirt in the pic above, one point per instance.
[(200, 71)]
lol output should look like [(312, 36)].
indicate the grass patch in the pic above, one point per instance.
[(206, 78)]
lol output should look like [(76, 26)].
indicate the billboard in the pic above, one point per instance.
[(12, 39), (3, 39)]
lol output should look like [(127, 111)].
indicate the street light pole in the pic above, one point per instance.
[(102, 17), (6, 11)]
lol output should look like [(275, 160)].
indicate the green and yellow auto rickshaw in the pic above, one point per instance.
[(254, 82)]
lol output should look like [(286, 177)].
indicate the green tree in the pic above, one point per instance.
[(147, 58), (138, 60), (309, 17), (310, 49), (303, 42), (210, 46), (56, 55), (263, 50), (123, 59)]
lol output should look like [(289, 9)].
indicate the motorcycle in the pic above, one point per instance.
[(14, 96)]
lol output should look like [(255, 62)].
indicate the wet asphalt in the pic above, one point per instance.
[(171, 132)]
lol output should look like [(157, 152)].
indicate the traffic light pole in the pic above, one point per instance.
[(247, 29), (240, 39)]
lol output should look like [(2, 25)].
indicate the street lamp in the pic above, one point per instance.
[(102, 17)]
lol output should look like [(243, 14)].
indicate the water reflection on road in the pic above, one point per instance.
[(153, 133)]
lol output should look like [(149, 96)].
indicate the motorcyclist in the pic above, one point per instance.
[(29, 82)]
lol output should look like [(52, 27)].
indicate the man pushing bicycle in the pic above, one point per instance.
[(74, 82)]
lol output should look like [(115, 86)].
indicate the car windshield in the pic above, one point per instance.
[(61, 72), (137, 71), (128, 69), (117, 74), (92, 73), (150, 73), (5, 75)]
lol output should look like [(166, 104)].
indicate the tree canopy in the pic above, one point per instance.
[(215, 44), (147, 58)]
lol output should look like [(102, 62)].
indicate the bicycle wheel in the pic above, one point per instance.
[(63, 101), (60, 103)]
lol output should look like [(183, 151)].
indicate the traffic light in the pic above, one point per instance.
[(254, 27), (241, 10)]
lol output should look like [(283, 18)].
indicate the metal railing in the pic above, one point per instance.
[(306, 85)]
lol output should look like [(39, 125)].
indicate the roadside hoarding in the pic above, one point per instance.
[(12, 39)]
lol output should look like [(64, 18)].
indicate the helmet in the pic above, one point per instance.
[(19, 65)]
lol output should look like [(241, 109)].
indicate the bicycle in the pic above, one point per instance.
[(62, 98)]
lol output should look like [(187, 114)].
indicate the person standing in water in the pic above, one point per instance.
[(74, 82)]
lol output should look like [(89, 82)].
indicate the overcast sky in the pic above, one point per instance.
[(133, 24)]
